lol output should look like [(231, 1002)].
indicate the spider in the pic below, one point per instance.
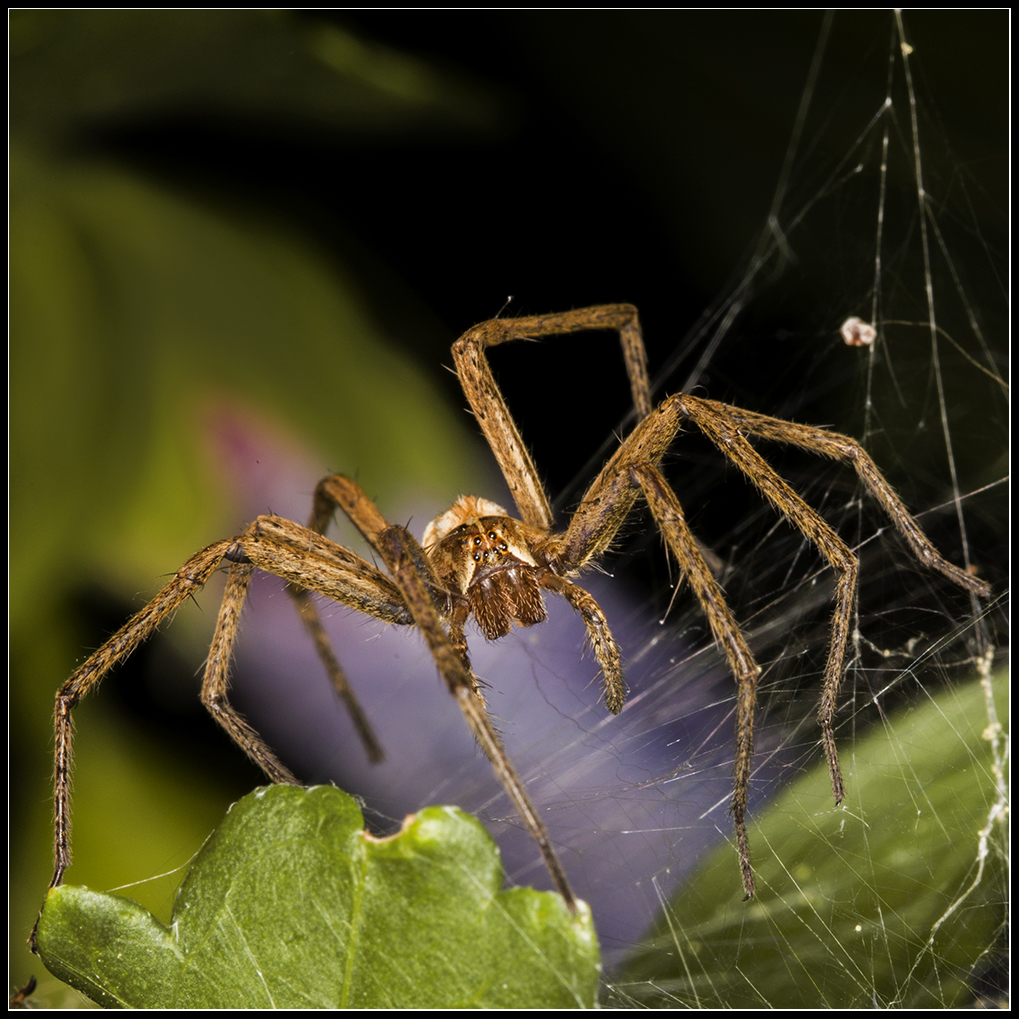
[(476, 560)]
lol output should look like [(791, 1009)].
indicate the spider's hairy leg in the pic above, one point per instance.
[(363, 588), (321, 516), (312, 562), (272, 544), (611, 496), (849, 451), (396, 546), (216, 684), (347, 494), (420, 590), (633, 471), (490, 408), (668, 514), (608, 501), (721, 426), (312, 621), (308, 560), (187, 580), (606, 650)]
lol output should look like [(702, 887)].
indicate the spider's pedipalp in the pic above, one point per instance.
[(606, 650)]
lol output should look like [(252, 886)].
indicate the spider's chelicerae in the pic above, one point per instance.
[(476, 560)]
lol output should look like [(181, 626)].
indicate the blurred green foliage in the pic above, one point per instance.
[(150, 328)]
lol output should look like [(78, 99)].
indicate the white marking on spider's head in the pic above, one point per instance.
[(466, 510)]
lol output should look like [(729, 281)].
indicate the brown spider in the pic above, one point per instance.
[(476, 560)]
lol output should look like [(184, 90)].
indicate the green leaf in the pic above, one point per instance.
[(290, 904), (889, 901)]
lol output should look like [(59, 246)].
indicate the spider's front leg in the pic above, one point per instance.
[(190, 578), (423, 596), (489, 405), (605, 506), (271, 544), (633, 472)]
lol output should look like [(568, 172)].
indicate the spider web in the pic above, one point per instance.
[(912, 404), (900, 176)]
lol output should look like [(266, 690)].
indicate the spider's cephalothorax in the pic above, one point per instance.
[(486, 562), (477, 560)]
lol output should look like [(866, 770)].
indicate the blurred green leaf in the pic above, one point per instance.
[(138, 320), (174, 371), (906, 927), (291, 905), (177, 365), (75, 69)]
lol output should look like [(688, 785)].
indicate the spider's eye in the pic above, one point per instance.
[(477, 557), (477, 540), (493, 535)]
